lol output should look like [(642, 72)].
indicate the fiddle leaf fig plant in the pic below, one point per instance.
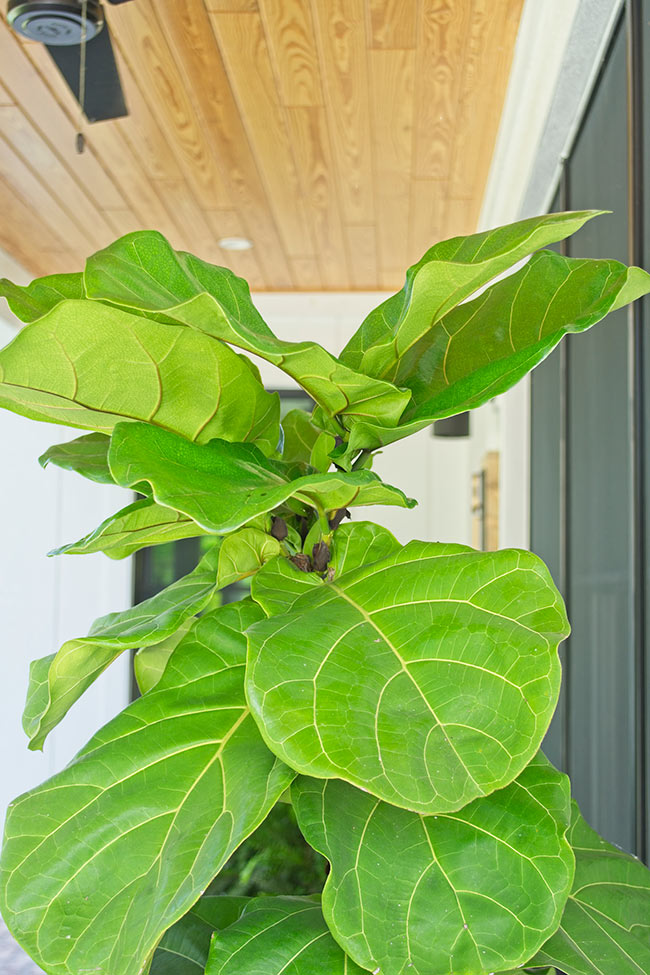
[(397, 696)]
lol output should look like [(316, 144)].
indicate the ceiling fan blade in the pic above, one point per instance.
[(104, 96)]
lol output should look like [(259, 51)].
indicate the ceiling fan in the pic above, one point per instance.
[(58, 24)]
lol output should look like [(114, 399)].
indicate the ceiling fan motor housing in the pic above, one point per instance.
[(56, 23)]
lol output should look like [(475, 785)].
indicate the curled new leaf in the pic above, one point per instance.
[(473, 891), (147, 813), (427, 678)]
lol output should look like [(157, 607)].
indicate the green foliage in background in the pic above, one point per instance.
[(341, 771)]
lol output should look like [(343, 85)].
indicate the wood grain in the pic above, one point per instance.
[(55, 177), (362, 248), (310, 138), (488, 57), (189, 32), (243, 44), (306, 270), (428, 198), (105, 141), (392, 23), (140, 36), (343, 137), (35, 247), (341, 31), (33, 95), (440, 58), (232, 6), (292, 43), (391, 78)]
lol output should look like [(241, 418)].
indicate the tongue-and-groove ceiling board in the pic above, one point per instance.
[(343, 137)]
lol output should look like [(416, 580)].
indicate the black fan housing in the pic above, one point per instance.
[(55, 22), (58, 24)]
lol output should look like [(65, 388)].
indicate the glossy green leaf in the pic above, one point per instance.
[(32, 301), (243, 553), (101, 859), (57, 681), (223, 485), (305, 442), (482, 348), (143, 273), (279, 936), (446, 275), (300, 435), (428, 678), (149, 663), (87, 456), (606, 923), (471, 892), (90, 365), (359, 543), (278, 585), (184, 948), (140, 524)]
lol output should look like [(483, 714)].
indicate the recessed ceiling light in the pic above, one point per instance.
[(235, 243)]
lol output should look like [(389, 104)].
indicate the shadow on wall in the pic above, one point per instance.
[(13, 960)]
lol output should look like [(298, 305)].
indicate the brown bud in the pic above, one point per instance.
[(321, 556), (279, 529), (301, 561)]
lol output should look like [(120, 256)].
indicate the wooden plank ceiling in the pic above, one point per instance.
[(343, 137)]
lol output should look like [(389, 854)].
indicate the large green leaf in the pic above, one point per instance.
[(184, 948), (223, 485), (606, 923), (279, 936), (482, 348), (359, 543), (57, 681), (278, 585), (446, 275), (140, 524), (428, 678), (143, 273), (90, 365), (101, 859), (32, 301), (471, 892), (87, 456)]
